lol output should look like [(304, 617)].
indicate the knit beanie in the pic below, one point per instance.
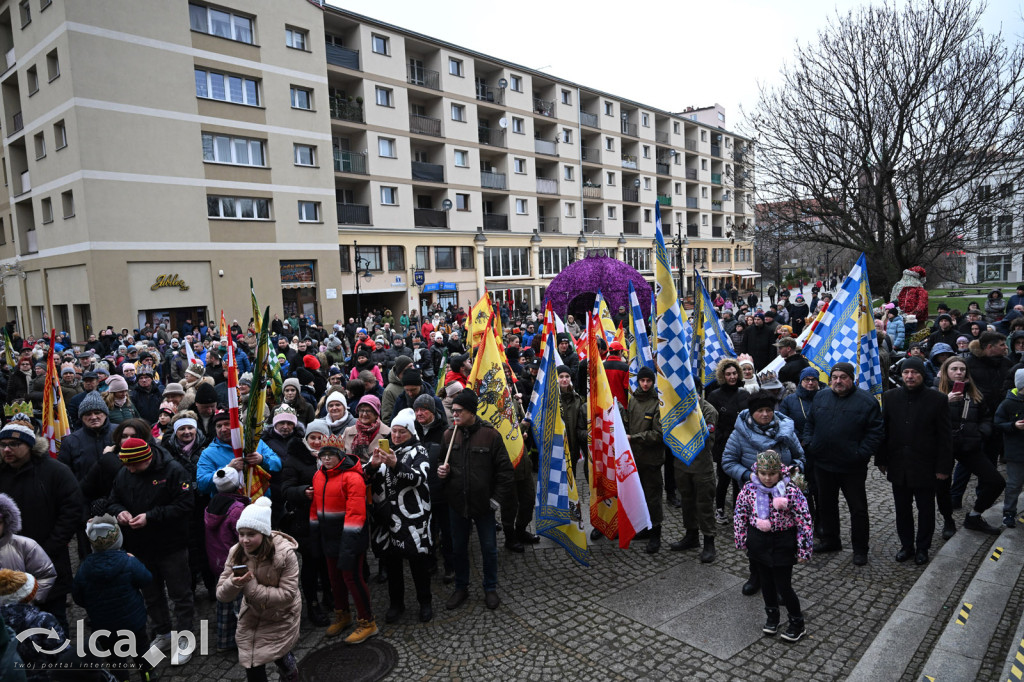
[(407, 419), (808, 372), (206, 394), (371, 400), (423, 402), (846, 368), (335, 396), (1018, 380), (318, 426), (916, 364), (104, 533), (466, 399), (20, 427), (645, 373), (759, 400), (401, 362), (412, 377), (304, 376), (16, 587), (256, 516), (134, 451), (311, 363), (291, 381), (92, 403), (227, 479)]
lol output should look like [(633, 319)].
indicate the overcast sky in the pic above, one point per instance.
[(669, 55)]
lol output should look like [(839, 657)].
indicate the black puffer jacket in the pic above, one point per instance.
[(842, 433), (82, 449), (988, 375), (163, 492), (729, 401), (299, 465), (479, 469)]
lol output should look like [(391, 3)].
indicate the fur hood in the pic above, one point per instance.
[(721, 367), (975, 348), (12, 519)]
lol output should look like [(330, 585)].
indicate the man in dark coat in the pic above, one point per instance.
[(946, 332), (795, 361), (758, 342), (430, 428), (916, 452), (574, 416), (643, 423), (147, 396)]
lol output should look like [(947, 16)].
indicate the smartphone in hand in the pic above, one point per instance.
[(958, 387), (239, 570)]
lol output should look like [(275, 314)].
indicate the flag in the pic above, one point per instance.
[(600, 405), (223, 326), (482, 315), (633, 512), (495, 407), (190, 354), (441, 373), (548, 330), (257, 479), (682, 422), (712, 343), (846, 332), (601, 312), (255, 309), (558, 501), (55, 415), (10, 357), (640, 354)]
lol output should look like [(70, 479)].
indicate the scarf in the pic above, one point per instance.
[(121, 402), (365, 434), (763, 501), (771, 429)]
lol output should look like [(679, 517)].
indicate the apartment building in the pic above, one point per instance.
[(158, 154)]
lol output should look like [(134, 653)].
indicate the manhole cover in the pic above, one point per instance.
[(366, 662)]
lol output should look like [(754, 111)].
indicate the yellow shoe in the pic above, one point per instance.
[(342, 619), (365, 629)]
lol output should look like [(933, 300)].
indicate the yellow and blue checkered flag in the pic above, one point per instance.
[(682, 422)]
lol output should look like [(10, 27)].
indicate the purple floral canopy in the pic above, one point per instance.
[(573, 291)]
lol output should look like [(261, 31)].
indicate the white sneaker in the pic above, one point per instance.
[(181, 655), (721, 518), (162, 642)]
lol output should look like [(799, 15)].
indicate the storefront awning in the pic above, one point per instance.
[(745, 273), (298, 285)]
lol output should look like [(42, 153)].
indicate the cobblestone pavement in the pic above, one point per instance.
[(555, 622)]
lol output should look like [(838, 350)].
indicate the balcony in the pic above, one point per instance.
[(543, 107), (546, 147), (691, 173), (547, 186), (716, 231), (662, 168), (691, 145), (492, 137), (716, 178), (629, 161), (430, 217), (737, 155), (631, 227), (342, 56), (427, 172), (591, 191), (425, 78), (592, 226), (716, 150), (589, 120), (739, 183), (26, 182), (716, 205), (492, 180), (692, 230), (346, 110), (629, 129), (549, 225), (353, 214), (31, 242), (349, 162), (631, 194), (590, 154), (424, 125), (691, 202), (10, 58), (495, 222), (17, 122), (664, 200), (486, 93), (661, 138)]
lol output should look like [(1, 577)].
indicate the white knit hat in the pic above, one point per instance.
[(406, 419), (227, 480), (256, 517)]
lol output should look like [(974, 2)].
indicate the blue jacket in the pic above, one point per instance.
[(107, 586), (217, 454), (897, 332), (746, 443), (797, 406)]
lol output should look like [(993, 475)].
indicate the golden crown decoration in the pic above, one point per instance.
[(11, 409)]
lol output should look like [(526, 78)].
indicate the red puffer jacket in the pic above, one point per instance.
[(337, 516)]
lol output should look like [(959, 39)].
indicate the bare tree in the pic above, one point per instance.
[(884, 130)]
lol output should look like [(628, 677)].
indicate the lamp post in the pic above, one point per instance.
[(681, 241), (360, 264)]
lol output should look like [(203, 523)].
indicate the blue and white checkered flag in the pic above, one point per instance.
[(716, 343)]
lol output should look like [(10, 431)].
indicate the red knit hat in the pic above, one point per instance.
[(311, 363), (135, 451)]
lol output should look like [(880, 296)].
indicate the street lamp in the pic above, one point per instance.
[(681, 241), (361, 264)]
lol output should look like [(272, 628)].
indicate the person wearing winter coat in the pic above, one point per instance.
[(270, 615), (81, 449), (643, 424), (21, 553), (696, 486), (361, 438), (401, 514), (284, 431), (895, 328), (729, 399), (394, 388), (20, 614), (219, 452), (413, 386), (220, 535), (118, 403), (291, 397), (1009, 422), (147, 396), (797, 406), (20, 384), (338, 418), (995, 306), (758, 342)]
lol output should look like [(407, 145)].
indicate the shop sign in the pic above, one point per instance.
[(398, 283), (418, 277), (440, 286), (169, 282), (297, 272)]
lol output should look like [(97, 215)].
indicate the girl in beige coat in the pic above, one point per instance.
[(268, 622)]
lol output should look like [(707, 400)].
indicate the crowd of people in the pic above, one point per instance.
[(378, 461)]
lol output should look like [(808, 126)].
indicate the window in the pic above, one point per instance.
[(505, 261), (521, 206), (645, 120), (302, 98), (368, 257), (389, 196), (675, 127), (647, 151), (345, 257), (703, 192), (220, 23), (1005, 227), (679, 188), (566, 97), (227, 88), (721, 117), (467, 257), (459, 112), (703, 164), (46, 208), (994, 268), (26, 13), (67, 200), (609, 178), (396, 258), (43, 4), (609, 109), (462, 202), (518, 126), (611, 213), (704, 220), (422, 257), (569, 173), (703, 136), (519, 165), (309, 211), (455, 67), (1006, 190), (639, 259), (647, 184), (52, 65), (554, 260), (515, 82), (570, 209), (240, 151), (381, 44), (609, 143), (238, 208), (33, 80), (386, 148), (444, 257), (385, 97), (462, 158), (40, 143), (60, 135), (647, 215), (305, 155), (567, 135), (296, 38)]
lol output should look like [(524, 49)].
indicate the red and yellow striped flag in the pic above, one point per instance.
[(55, 414)]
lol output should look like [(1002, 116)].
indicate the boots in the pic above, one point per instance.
[(526, 537), (512, 543), (795, 631), (948, 528), (364, 630), (317, 616), (707, 555), (342, 619), (654, 543), (753, 584), (690, 541), (771, 625)]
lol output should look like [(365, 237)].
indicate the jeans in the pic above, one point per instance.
[(854, 488), (170, 572), (1014, 482), (486, 532), (441, 533), (991, 448), (904, 499)]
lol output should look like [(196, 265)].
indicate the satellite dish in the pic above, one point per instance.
[(446, 204), (503, 122), (502, 83)]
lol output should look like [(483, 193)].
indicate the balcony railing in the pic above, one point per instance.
[(353, 214), (430, 217), (17, 122), (716, 150), (691, 173), (26, 182), (629, 129), (10, 58), (425, 78), (495, 221), (493, 137), (545, 147), (543, 107), (545, 224), (424, 125), (629, 161), (547, 186), (662, 168), (716, 178), (349, 162), (661, 138), (716, 231), (631, 227), (630, 194), (485, 93), (492, 180), (342, 56), (664, 200), (427, 172), (31, 242), (591, 154), (691, 202), (591, 191), (737, 155), (589, 120), (716, 205), (692, 230), (691, 145), (344, 110), (592, 226)]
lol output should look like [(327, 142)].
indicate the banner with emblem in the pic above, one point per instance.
[(495, 406), (55, 415)]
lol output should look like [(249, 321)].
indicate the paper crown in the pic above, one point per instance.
[(11, 409), (333, 441)]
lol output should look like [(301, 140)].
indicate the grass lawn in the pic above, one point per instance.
[(976, 293)]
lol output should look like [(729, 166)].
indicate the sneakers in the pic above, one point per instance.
[(975, 522), (342, 619), (365, 629), (181, 654), (795, 631), (162, 642), (720, 517), (1009, 521), (456, 600), (771, 625)]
